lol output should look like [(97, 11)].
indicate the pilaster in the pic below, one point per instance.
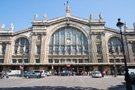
[(131, 55), (104, 49), (33, 45)]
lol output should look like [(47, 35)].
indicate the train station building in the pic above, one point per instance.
[(66, 43)]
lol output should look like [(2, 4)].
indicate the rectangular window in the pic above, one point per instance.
[(80, 61), (117, 61), (68, 49), (62, 61), (14, 61), (1, 61), (80, 49), (74, 49), (79, 34), (3, 49), (111, 61), (38, 49), (51, 49), (68, 34), (73, 36), (37, 60), (56, 61), (25, 60), (68, 61), (99, 61), (86, 49), (57, 38), (74, 61), (99, 48), (122, 60), (63, 36), (50, 61), (20, 61), (86, 61), (57, 49), (62, 49)]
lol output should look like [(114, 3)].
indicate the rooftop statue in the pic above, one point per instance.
[(68, 10), (91, 16), (45, 17), (35, 18), (100, 16), (2, 26), (11, 26), (134, 25)]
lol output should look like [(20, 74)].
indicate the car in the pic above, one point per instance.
[(14, 72), (65, 73), (38, 72), (32, 75), (132, 77), (96, 74), (47, 74)]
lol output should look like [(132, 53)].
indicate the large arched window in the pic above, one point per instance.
[(21, 45), (114, 45), (68, 41)]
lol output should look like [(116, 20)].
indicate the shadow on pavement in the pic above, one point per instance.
[(118, 87)]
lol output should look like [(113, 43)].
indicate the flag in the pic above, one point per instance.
[(66, 3)]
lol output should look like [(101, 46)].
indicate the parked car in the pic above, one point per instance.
[(132, 77), (38, 72), (32, 75), (96, 74), (66, 73), (14, 72), (47, 74), (20, 75)]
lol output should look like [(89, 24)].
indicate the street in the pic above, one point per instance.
[(64, 83)]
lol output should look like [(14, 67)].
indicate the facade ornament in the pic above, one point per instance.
[(2, 26), (45, 17), (134, 25), (35, 18), (11, 27), (68, 10), (125, 27), (100, 16)]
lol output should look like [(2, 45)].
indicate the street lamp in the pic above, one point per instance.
[(115, 70), (23, 63), (127, 77)]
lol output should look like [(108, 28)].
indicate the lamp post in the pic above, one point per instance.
[(23, 63), (127, 77), (114, 63)]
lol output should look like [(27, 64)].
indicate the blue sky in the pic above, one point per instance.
[(21, 12)]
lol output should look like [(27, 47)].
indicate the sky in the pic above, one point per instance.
[(21, 12)]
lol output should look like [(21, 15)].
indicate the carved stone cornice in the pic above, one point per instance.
[(98, 33)]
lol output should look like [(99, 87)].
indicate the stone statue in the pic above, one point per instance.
[(91, 16), (125, 27), (35, 18), (68, 10), (45, 17), (2, 26), (134, 25), (100, 16), (11, 26)]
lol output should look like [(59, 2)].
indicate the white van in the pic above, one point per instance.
[(14, 72), (38, 72)]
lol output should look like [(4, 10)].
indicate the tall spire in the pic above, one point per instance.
[(68, 10)]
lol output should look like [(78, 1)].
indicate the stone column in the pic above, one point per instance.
[(42, 50), (33, 45), (94, 55), (104, 49), (130, 53)]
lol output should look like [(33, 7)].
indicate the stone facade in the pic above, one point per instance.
[(34, 53)]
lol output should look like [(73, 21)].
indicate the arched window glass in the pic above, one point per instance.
[(21, 45), (114, 45), (68, 41)]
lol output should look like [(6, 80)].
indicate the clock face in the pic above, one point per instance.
[(68, 40)]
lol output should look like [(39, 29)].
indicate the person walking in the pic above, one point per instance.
[(40, 74), (102, 74)]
